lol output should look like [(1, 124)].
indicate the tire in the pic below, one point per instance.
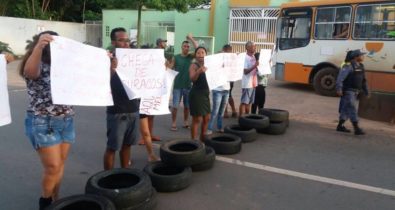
[(324, 81), (166, 178), (182, 153), (82, 202), (275, 128), (246, 134), (149, 204), (208, 161), (276, 115), (255, 121), (124, 187), (224, 143)]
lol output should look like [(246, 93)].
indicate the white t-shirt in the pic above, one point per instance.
[(247, 80)]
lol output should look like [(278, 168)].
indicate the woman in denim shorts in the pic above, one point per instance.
[(49, 127)]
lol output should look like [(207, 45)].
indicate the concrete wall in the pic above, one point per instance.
[(15, 31)]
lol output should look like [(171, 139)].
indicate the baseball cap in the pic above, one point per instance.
[(159, 40), (356, 53)]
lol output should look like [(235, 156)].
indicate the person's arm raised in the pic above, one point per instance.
[(32, 66)]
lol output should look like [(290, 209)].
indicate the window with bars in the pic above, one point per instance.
[(332, 23), (375, 22)]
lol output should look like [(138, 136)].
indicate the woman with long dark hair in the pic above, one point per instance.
[(49, 127), (199, 100)]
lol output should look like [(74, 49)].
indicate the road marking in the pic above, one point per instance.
[(307, 176), (18, 90)]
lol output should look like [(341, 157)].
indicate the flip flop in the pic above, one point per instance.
[(155, 138), (174, 128), (186, 126)]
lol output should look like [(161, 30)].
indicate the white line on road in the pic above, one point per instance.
[(18, 90), (307, 176)]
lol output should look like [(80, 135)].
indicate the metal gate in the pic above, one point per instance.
[(253, 24), (94, 33)]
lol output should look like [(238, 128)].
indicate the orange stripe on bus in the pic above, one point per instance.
[(296, 72), (380, 81)]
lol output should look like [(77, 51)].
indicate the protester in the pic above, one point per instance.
[(228, 49), (220, 99), (351, 81), (260, 92), (199, 95), (49, 127), (160, 44), (249, 80), (123, 116), (8, 56), (182, 82)]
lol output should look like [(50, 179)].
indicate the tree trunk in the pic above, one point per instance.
[(139, 25)]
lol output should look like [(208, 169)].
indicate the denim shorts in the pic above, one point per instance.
[(247, 95), (179, 94), (46, 131), (122, 129)]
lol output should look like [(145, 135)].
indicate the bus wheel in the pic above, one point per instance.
[(325, 81)]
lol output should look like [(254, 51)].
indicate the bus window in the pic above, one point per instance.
[(376, 22), (332, 23), (295, 29)]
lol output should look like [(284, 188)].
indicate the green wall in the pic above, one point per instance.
[(221, 24)]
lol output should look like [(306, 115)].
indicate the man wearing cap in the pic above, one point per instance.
[(350, 82)]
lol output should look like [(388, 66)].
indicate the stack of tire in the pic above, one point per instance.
[(82, 202), (178, 159), (128, 189), (279, 121)]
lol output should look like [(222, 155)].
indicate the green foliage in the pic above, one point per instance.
[(4, 47)]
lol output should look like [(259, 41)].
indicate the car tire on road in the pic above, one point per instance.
[(324, 81), (246, 134), (275, 128), (149, 204), (253, 121), (276, 115), (208, 161), (224, 143), (182, 153), (91, 202), (166, 178), (124, 187)]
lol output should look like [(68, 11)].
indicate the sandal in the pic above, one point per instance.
[(186, 126), (174, 128)]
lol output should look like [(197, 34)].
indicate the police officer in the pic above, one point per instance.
[(351, 81)]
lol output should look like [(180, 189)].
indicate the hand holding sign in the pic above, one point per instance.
[(5, 114)]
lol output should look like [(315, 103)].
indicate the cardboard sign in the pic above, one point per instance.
[(5, 113), (234, 65), (80, 74), (142, 72), (264, 62), (159, 105)]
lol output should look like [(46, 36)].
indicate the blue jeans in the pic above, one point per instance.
[(348, 109), (220, 98), (179, 94)]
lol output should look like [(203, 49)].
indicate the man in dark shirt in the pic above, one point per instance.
[(123, 117), (351, 81)]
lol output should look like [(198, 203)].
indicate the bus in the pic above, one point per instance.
[(314, 37)]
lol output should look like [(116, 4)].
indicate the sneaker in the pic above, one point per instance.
[(342, 128), (209, 132), (221, 130)]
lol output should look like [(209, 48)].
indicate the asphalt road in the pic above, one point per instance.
[(274, 172)]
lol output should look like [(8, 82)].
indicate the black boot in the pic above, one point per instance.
[(357, 129), (44, 202), (341, 127)]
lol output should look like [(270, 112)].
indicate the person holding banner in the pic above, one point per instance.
[(123, 121), (182, 83), (199, 95), (8, 56), (249, 80), (220, 101), (260, 92), (49, 127)]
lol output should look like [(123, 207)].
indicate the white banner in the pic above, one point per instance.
[(216, 75), (234, 65), (5, 114), (80, 74), (159, 105), (264, 62), (142, 71)]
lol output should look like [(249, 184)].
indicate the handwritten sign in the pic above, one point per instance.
[(159, 105), (142, 72), (234, 65), (80, 74), (216, 75), (5, 114), (264, 62)]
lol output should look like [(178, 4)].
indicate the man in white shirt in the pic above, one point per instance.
[(249, 80)]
